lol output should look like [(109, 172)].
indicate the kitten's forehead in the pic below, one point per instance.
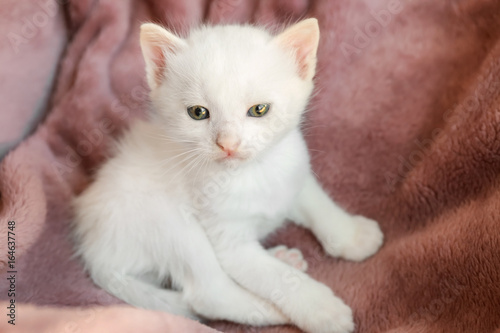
[(231, 59), (229, 49), (235, 40)]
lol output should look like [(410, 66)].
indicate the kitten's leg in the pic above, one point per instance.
[(207, 290), (214, 295), (292, 257), (132, 265), (341, 234), (310, 304)]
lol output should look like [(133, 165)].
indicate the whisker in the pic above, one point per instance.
[(169, 138), (184, 159), (194, 165), (203, 162), (165, 161), (181, 171)]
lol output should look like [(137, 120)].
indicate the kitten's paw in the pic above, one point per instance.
[(292, 257), (363, 241), (326, 313)]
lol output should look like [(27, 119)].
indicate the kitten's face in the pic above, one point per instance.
[(229, 92)]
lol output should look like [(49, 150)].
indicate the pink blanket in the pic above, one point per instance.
[(404, 129)]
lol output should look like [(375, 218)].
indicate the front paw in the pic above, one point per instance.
[(361, 239), (323, 312)]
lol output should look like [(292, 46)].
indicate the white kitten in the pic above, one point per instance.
[(220, 165)]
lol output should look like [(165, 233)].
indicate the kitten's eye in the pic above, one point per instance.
[(258, 110), (198, 112)]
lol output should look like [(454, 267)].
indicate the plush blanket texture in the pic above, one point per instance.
[(33, 38), (404, 128)]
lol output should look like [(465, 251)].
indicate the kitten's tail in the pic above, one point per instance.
[(145, 295)]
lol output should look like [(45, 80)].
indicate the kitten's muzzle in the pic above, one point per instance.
[(228, 145)]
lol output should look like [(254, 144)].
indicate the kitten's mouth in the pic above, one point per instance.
[(231, 158)]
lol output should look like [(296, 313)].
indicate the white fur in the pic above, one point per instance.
[(171, 208)]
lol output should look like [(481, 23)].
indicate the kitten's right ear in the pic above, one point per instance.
[(156, 44)]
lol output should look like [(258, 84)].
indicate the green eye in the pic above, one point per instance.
[(258, 110), (198, 112)]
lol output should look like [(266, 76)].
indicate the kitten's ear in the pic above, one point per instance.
[(156, 44), (302, 39)]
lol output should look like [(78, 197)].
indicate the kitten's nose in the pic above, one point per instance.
[(228, 144)]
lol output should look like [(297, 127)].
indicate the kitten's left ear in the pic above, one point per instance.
[(302, 39), (156, 44)]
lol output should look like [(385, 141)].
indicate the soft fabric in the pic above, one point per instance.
[(33, 40), (123, 319), (404, 128)]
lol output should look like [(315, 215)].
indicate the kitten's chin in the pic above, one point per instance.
[(231, 162)]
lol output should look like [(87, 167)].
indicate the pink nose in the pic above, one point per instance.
[(228, 145)]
